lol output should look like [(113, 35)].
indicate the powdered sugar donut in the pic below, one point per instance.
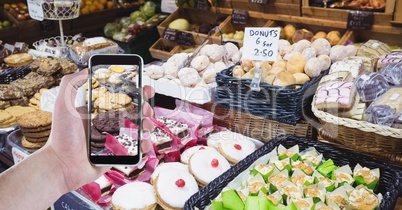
[(167, 166), (236, 149), (174, 187), (134, 195), (206, 165), (185, 156)]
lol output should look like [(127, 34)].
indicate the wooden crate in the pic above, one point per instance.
[(9, 34), (30, 31), (398, 13), (380, 18), (172, 47), (254, 20), (93, 22), (357, 36), (195, 18), (309, 26)]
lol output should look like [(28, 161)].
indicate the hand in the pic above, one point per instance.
[(68, 136)]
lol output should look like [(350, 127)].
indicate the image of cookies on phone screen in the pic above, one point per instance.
[(114, 101)]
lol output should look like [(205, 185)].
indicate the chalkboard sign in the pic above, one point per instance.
[(360, 20), (201, 5), (184, 38), (47, 25), (239, 17), (258, 1), (170, 34)]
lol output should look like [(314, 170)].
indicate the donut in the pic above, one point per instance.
[(173, 188), (134, 195), (185, 156), (206, 165), (167, 166)]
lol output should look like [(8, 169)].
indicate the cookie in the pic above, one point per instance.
[(35, 119), (12, 92), (67, 67), (34, 101), (4, 116), (167, 166), (36, 140), (4, 104), (141, 194), (109, 101), (19, 110), (24, 101), (10, 122), (48, 66), (37, 96), (31, 145), (35, 130), (42, 90), (19, 59), (122, 108), (97, 145), (96, 136), (111, 121), (40, 134), (36, 107)]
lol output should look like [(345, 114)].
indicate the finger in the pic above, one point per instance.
[(148, 92), (147, 110), (147, 125), (83, 112), (146, 145)]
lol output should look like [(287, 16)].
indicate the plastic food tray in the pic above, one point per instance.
[(390, 185)]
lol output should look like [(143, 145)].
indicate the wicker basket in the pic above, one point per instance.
[(390, 185), (282, 104), (360, 135), (254, 126)]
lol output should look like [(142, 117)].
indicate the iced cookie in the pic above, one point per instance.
[(173, 188), (134, 195), (185, 156), (236, 149), (206, 165), (168, 166)]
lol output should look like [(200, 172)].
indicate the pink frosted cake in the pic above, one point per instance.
[(338, 98), (392, 57)]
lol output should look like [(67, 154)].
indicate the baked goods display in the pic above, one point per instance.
[(293, 35), (202, 69), (7, 50), (35, 127), (265, 184)]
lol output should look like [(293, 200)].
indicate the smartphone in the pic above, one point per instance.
[(114, 100)]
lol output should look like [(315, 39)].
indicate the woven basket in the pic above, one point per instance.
[(360, 135), (254, 126), (390, 185), (283, 104)]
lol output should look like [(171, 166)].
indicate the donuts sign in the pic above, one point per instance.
[(261, 43)]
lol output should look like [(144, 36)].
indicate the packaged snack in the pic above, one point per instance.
[(386, 109), (393, 73), (371, 85)]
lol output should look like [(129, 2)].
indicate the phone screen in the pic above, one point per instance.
[(114, 102)]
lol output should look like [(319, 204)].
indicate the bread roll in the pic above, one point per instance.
[(238, 72), (301, 78), (313, 67), (296, 63), (269, 79), (284, 79)]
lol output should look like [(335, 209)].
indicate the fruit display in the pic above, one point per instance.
[(182, 24), (126, 29), (18, 10), (92, 6), (293, 35), (5, 24), (238, 35)]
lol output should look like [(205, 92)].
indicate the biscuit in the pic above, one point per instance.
[(34, 130), (48, 66), (36, 107), (19, 102), (111, 101), (97, 145), (10, 122), (5, 116), (19, 59), (19, 110), (6, 125), (36, 139), (4, 104), (97, 136), (67, 67), (122, 108), (111, 122), (34, 101), (35, 119), (31, 145), (12, 92), (42, 90), (40, 134), (37, 96)]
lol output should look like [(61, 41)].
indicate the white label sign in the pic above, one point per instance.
[(18, 155), (35, 9), (261, 43)]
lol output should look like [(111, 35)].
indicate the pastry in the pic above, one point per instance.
[(373, 48), (32, 145), (392, 72), (173, 188), (341, 76), (301, 78), (161, 139), (338, 98), (131, 172), (296, 63), (371, 85), (206, 165), (313, 67), (12, 92), (111, 122), (189, 77), (110, 101), (177, 128), (67, 66), (362, 198), (19, 59), (48, 66), (200, 62), (129, 143), (392, 57), (186, 154), (391, 98), (355, 67), (284, 78), (104, 185), (134, 195), (35, 119), (168, 166), (23, 101), (4, 104), (236, 149), (322, 46)]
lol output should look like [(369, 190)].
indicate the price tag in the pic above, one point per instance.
[(18, 155), (261, 43), (258, 1), (170, 34), (239, 17), (360, 20), (201, 5), (35, 9), (185, 38)]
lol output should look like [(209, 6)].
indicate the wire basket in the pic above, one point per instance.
[(61, 9)]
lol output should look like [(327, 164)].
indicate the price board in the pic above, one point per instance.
[(170, 34), (360, 20), (185, 38), (261, 43), (239, 17)]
